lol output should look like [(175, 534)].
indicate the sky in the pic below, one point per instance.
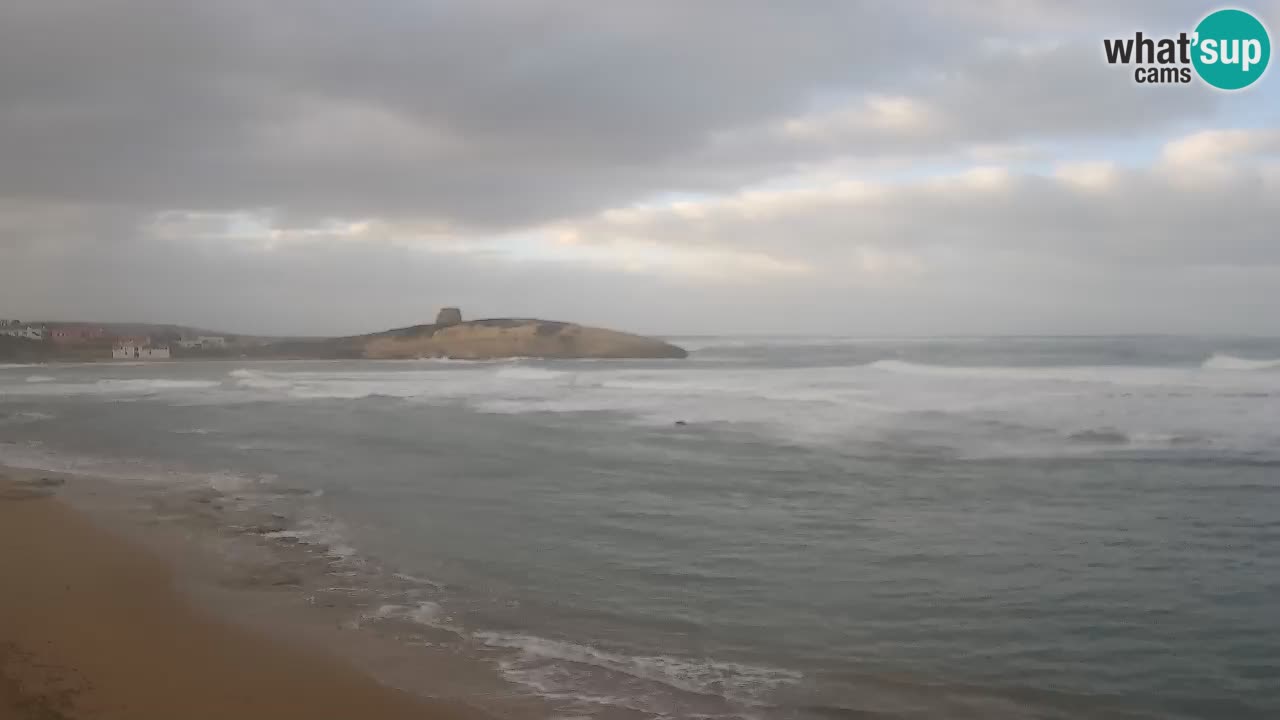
[(670, 167)]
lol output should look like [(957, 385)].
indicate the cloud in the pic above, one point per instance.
[(477, 113), (495, 115), (1082, 212), (1212, 147), (349, 165)]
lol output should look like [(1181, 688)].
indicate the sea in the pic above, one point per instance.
[(775, 527)]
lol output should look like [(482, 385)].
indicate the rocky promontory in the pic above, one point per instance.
[(450, 337)]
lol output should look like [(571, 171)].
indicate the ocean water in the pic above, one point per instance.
[(840, 528)]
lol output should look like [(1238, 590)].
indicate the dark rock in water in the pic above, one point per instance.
[(274, 526), (681, 423), (1099, 437)]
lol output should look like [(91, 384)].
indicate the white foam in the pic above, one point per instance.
[(111, 387), (232, 482), (320, 531), (40, 378), (1220, 361), (518, 372), (557, 683), (734, 681), (424, 613), (258, 380), (836, 405), (427, 613), (1111, 374), (416, 579), (145, 385)]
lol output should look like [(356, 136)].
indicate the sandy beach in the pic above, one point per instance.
[(92, 628)]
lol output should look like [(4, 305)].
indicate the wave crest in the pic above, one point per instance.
[(1222, 361), (729, 680)]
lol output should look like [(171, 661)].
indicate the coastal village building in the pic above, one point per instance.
[(13, 328), (204, 342), (76, 334), (131, 349)]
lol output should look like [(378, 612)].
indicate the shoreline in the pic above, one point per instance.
[(250, 359), (96, 626)]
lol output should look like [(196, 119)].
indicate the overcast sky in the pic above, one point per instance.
[(746, 166)]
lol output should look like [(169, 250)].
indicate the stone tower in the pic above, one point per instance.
[(448, 316)]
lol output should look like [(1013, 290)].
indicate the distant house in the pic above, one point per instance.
[(204, 342), (16, 329), (76, 334), (130, 350)]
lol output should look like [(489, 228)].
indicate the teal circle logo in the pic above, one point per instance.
[(1231, 49)]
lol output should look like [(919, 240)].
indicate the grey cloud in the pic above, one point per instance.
[(538, 108), (1001, 95), (325, 286), (482, 114), (480, 117), (332, 286), (1158, 216)]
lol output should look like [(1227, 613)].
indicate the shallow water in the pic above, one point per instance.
[(965, 527)]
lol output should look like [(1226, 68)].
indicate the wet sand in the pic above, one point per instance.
[(93, 628)]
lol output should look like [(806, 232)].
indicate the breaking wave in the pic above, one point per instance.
[(518, 372), (566, 670), (1112, 374), (110, 386), (425, 613), (1221, 361)]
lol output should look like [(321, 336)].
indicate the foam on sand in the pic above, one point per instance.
[(561, 669)]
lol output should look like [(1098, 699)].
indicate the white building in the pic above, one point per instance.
[(134, 351), (22, 331)]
